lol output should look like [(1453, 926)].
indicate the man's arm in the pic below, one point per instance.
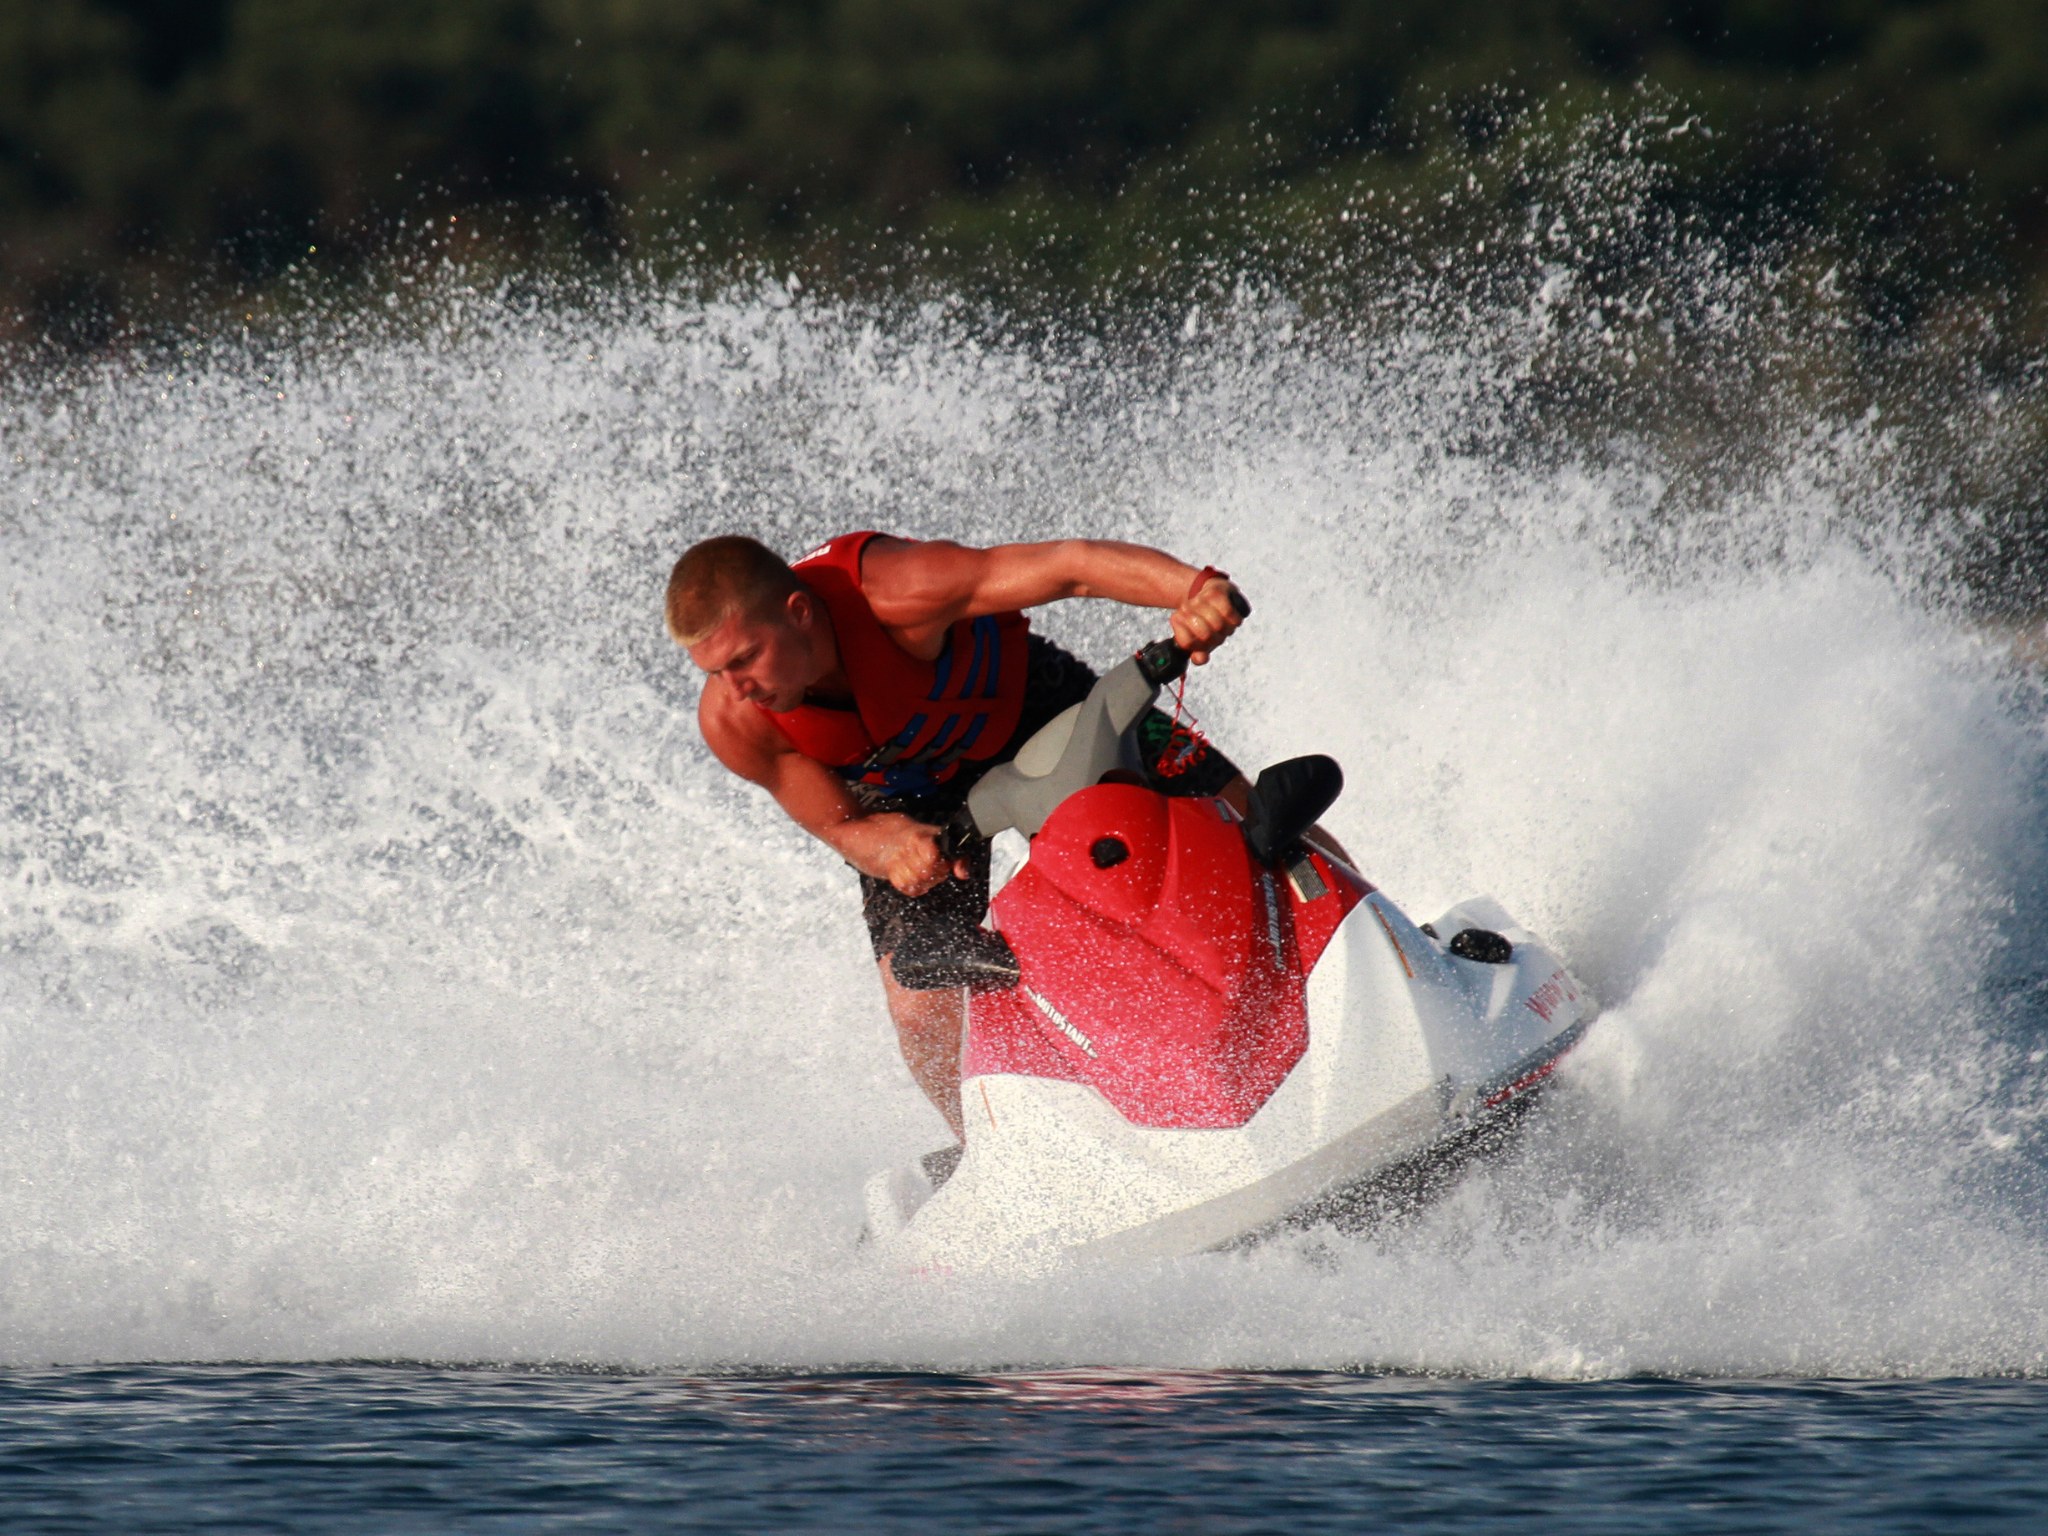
[(892, 847), (920, 589)]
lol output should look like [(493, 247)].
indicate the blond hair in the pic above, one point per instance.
[(720, 577)]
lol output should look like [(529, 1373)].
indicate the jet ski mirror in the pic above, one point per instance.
[(1286, 802)]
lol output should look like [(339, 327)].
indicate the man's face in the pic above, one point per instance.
[(765, 660)]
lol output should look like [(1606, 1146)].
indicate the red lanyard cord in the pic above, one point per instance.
[(1185, 744)]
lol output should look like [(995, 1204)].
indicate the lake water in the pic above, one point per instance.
[(391, 1448), (387, 973)]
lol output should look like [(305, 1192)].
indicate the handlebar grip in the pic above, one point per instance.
[(1163, 660), (957, 834)]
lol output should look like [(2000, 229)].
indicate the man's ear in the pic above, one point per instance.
[(800, 608)]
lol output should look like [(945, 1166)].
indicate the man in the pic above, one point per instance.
[(868, 687)]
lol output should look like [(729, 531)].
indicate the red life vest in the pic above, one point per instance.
[(913, 721)]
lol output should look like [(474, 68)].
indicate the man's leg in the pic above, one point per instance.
[(928, 1029), (929, 1025)]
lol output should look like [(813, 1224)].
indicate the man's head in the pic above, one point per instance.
[(742, 614)]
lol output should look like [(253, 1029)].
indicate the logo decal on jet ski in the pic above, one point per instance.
[(1544, 1001), (1273, 921), (1062, 1023)]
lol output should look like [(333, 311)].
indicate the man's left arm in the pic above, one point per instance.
[(927, 586)]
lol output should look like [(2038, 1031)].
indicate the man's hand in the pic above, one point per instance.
[(899, 849), (1205, 619)]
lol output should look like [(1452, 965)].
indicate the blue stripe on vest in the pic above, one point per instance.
[(973, 734), (896, 745), (938, 742), (974, 671), (945, 668)]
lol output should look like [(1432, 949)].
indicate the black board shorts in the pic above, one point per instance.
[(1057, 681)]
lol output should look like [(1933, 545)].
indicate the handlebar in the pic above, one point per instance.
[(1114, 706), (1162, 662), (956, 835)]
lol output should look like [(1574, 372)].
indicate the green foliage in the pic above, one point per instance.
[(232, 135)]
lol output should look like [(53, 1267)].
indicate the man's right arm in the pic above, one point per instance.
[(889, 846)]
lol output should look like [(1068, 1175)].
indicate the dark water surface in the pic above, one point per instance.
[(381, 1448)]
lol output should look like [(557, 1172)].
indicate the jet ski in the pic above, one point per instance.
[(1188, 1028)]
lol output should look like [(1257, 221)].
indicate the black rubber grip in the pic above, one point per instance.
[(1162, 661), (956, 835)]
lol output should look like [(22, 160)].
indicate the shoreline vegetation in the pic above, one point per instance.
[(153, 148)]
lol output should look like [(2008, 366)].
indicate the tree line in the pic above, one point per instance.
[(155, 143)]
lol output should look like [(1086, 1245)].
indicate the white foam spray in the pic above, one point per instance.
[(387, 971)]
